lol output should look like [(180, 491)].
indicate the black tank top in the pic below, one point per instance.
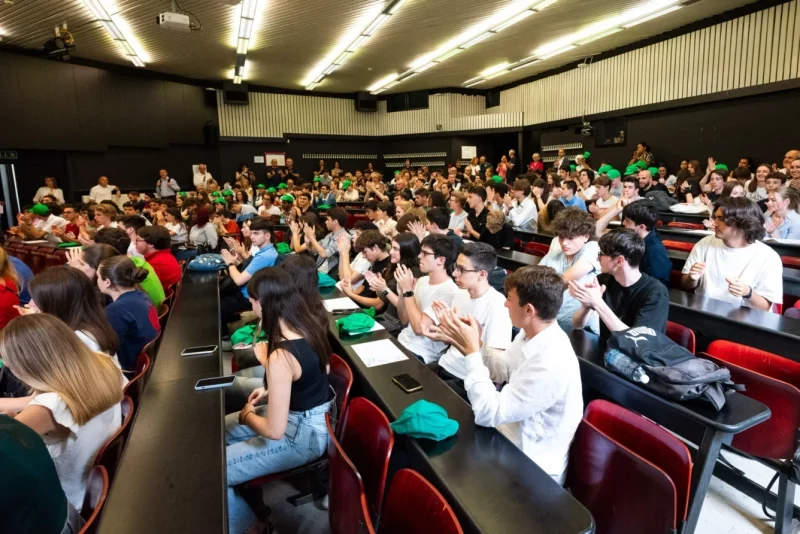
[(311, 389)]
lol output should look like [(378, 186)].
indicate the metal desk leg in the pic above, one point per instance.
[(783, 512), (701, 474)]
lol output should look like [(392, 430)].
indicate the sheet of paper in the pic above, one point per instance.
[(258, 159), (379, 352), (700, 232), (469, 152), (343, 303)]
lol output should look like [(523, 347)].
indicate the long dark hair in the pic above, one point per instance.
[(68, 294), (122, 272), (409, 253), (303, 271), (94, 254), (281, 301)]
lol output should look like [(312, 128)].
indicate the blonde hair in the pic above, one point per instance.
[(7, 269), (405, 206), (495, 220), (420, 214), (44, 353), (107, 210)]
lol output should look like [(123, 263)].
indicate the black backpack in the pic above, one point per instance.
[(675, 373)]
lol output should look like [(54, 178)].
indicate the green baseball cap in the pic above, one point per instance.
[(425, 419), (40, 209), (496, 179), (261, 186), (219, 200), (572, 167), (587, 155), (216, 194), (396, 173), (613, 173), (604, 168), (282, 185), (317, 179), (227, 193), (720, 167), (632, 169), (346, 184), (642, 164), (181, 193), (653, 170), (271, 190), (287, 198)]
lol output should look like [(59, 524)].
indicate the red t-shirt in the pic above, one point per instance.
[(231, 227), (8, 299), (166, 267)]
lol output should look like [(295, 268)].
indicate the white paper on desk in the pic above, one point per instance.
[(343, 303), (700, 232), (379, 352)]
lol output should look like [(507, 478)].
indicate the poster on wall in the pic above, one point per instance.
[(258, 159), (280, 156), (469, 152)]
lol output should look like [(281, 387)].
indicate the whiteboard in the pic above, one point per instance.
[(280, 156)]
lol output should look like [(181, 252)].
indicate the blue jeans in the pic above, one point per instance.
[(251, 456)]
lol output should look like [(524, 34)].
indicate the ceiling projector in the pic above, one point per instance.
[(174, 21)]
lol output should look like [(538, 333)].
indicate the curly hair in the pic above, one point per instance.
[(574, 222), (744, 215)]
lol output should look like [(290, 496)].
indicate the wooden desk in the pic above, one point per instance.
[(492, 486), (695, 421)]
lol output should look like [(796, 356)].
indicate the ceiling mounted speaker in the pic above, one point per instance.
[(366, 101), (235, 94)]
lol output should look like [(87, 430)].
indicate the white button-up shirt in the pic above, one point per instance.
[(525, 215), (541, 406)]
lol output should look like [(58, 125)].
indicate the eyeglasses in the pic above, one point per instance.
[(459, 269), (427, 253)]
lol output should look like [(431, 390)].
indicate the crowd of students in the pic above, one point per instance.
[(425, 260)]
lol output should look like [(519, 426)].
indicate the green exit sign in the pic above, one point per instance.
[(8, 154)]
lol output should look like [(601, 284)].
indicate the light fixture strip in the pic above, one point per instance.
[(370, 30), (247, 19), (619, 25), (530, 9), (114, 31)]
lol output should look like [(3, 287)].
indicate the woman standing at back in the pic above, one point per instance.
[(76, 396), (131, 312), (281, 427)]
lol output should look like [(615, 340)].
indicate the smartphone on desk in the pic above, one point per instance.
[(199, 351), (407, 383), (215, 383)]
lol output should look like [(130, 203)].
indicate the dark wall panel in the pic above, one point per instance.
[(10, 104), (32, 167), (89, 133)]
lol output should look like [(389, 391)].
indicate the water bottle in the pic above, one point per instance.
[(622, 364)]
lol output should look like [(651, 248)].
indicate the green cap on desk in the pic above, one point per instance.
[(427, 420), (283, 248), (355, 323)]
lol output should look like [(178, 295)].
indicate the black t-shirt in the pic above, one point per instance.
[(513, 171), (377, 268), (694, 189), (656, 261), (457, 241), (478, 222), (655, 186), (504, 238), (645, 303), (713, 197)]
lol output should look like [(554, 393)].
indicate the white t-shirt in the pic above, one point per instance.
[(360, 264), (247, 209), (73, 455), (489, 309), (759, 194), (556, 259), (180, 232), (457, 221), (272, 210), (425, 293), (605, 204), (758, 265), (589, 192), (53, 220), (99, 193), (132, 252)]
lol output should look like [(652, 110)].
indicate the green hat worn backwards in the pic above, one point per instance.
[(613, 173), (425, 419), (653, 170), (632, 169), (496, 179), (287, 198), (40, 209), (604, 168), (642, 164), (261, 186), (355, 323), (219, 200), (317, 179), (282, 185), (720, 167), (271, 190), (227, 193), (283, 248), (346, 184), (587, 155)]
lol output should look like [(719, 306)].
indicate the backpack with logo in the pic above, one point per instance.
[(674, 372), (207, 262)]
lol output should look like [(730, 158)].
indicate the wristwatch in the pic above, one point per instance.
[(408, 294), (384, 292), (749, 294)]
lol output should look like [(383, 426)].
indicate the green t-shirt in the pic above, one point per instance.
[(31, 498), (151, 285)]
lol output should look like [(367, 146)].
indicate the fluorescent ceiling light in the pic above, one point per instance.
[(557, 52), (113, 28), (514, 20), (522, 66), (496, 74), (600, 36), (342, 54), (501, 20), (237, 79), (494, 68), (245, 28), (383, 81), (651, 17), (249, 9), (481, 80), (246, 22), (244, 44)]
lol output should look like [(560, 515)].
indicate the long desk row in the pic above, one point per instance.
[(172, 476), (491, 484)]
